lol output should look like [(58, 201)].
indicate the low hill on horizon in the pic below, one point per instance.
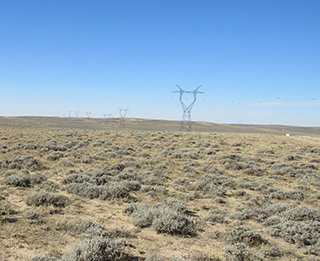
[(151, 125)]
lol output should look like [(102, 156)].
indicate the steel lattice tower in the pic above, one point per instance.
[(186, 110), (107, 117), (123, 113)]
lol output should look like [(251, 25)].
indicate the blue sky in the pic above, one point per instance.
[(258, 61)]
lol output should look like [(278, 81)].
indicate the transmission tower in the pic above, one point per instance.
[(107, 117), (186, 109), (77, 113), (123, 113), (88, 114), (70, 112)]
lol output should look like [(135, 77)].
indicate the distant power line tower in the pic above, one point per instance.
[(186, 110), (107, 117), (70, 112), (77, 113), (123, 113), (88, 114)]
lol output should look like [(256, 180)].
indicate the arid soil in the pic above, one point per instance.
[(89, 194)]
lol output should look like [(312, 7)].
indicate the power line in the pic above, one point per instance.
[(186, 109), (123, 113)]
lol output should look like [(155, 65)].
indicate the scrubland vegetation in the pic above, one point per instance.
[(72, 194)]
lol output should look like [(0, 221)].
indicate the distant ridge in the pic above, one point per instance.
[(151, 125)]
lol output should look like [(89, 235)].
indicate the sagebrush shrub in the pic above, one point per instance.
[(44, 258), (32, 216), (17, 180), (301, 213), (92, 229), (216, 216), (29, 162), (297, 232), (211, 182), (176, 205), (239, 251), (164, 218), (116, 191), (244, 235), (53, 156), (170, 221), (272, 252), (143, 216), (240, 192), (97, 249), (77, 178), (155, 257), (202, 256), (273, 220), (86, 190), (47, 198), (38, 178)]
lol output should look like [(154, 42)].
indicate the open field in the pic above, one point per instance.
[(84, 189)]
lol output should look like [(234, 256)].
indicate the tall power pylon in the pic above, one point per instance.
[(123, 113), (186, 110), (107, 117)]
